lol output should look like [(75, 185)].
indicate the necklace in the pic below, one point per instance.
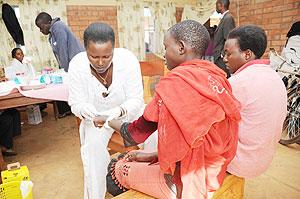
[(104, 79)]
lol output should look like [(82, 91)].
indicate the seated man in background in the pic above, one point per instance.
[(196, 116), (263, 98)]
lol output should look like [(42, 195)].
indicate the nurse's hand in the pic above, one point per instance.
[(99, 120), (88, 111)]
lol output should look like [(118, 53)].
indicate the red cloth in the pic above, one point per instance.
[(141, 129), (197, 119)]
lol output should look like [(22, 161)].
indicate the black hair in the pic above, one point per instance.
[(295, 30), (14, 51), (226, 3), (98, 33), (44, 18), (193, 33), (250, 37)]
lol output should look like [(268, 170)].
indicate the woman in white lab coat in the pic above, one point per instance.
[(102, 81), (17, 66)]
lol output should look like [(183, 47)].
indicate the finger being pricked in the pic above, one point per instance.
[(131, 156), (99, 121)]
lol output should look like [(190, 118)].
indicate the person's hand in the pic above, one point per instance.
[(99, 120), (139, 156), (106, 116), (88, 111), (111, 113)]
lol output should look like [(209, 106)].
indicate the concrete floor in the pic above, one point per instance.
[(51, 152)]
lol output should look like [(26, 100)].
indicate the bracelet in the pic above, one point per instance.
[(123, 112)]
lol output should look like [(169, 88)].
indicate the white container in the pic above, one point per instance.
[(34, 114)]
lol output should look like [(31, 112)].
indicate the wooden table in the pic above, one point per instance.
[(16, 99)]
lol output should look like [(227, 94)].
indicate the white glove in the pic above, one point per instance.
[(88, 111), (113, 113)]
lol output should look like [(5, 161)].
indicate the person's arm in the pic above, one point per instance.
[(132, 133), (61, 38)]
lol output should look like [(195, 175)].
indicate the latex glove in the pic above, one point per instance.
[(88, 111), (113, 113)]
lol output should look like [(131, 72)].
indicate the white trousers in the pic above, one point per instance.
[(95, 159)]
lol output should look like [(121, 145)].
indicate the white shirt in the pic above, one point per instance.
[(125, 91)]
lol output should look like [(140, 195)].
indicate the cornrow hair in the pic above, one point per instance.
[(192, 33)]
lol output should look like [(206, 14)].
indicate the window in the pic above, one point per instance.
[(17, 11), (148, 28)]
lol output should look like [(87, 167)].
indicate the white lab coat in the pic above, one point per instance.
[(16, 67), (125, 91)]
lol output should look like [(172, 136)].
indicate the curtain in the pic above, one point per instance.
[(37, 45), (200, 12), (165, 17), (130, 17)]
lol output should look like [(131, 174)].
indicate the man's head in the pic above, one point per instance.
[(244, 44), (99, 41), (185, 41), (222, 6), (43, 22), (17, 53)]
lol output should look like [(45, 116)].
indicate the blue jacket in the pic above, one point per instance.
[(64, 43)]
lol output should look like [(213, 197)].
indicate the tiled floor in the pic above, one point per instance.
[(51, 152)]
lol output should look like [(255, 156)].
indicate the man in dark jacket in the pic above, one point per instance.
[(225, 26), (63, 42), (64, 46)]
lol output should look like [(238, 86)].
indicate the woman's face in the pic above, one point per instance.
[(172, 52), (19, 55), (100, 55)]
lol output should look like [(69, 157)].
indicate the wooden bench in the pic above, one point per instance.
[(232, 188)]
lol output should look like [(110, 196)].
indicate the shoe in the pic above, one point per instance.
[(9, 152), (64, 114), (44, 113)]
